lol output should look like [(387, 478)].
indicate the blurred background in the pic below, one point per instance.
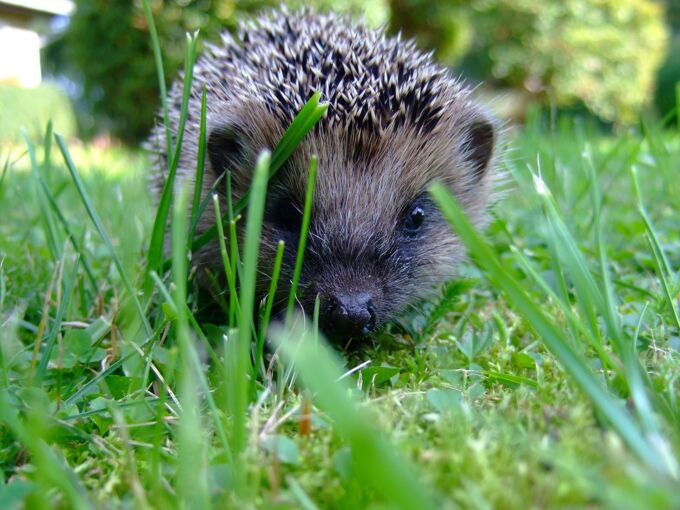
[(88, 64)]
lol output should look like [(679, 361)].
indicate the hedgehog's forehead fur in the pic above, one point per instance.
[(396, 121), (392, 111), (369, 80)]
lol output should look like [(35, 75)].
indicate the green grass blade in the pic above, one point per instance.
[(235, 268), (662, 265), (234, 271), (91, 211), (226, 263), (4, 369), (192, 448), (565, 308), (69, 234), (304, 121), (302, 243), (158, 58), (269, 304), (550, 334), (56, 326), (155, 254), (189, 351), (3, 286), (247, 299), (200, 167), (5, 169), (309, 115), (190, 317), (201, 209), (636, 379), (302, 497), (589, 298), (204, 204), (677, 104), (45, 212), (47, 149)]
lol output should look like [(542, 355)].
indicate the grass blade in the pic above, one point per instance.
[(190, 317), (5, 168), (192, 473), (69, 234), (158, 58), (304, 121), (269, 304), (302, 244), (565, 308), (102, 232), (251, 248), (45, 212), (200, 167), (56, 326), (229, 272), (155, 254), (637, 380), (662, 265)]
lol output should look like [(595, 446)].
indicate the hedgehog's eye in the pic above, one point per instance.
[(414, 219), (285, 215)]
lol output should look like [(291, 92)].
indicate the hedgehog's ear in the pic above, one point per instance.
[(480, 137), (225, 148)]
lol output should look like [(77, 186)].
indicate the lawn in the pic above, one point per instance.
[(545, 376)]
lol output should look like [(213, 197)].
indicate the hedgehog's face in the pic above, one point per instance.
[(364, 265), (376, 241)]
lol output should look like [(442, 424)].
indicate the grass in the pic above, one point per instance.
[(499, 383), (545, 376)]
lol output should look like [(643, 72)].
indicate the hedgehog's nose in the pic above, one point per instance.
[(349, 315)]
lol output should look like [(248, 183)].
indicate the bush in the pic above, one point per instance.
[(668, 80), (443, 26), (673, 14), (602, 53), (32, 108), (669, 74)]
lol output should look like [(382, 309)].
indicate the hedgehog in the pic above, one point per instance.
[(396, 122)]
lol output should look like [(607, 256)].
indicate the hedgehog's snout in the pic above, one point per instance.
[(348, 315)]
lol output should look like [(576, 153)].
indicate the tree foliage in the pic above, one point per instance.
[(443, 26), (107, 51), (602, 53), (667, 97)]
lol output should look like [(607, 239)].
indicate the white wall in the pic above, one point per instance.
[(19, 56)]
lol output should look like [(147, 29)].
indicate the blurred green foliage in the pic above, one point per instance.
[(31, 108), (444, 26), (601, 54), (673, 14), (668, 80), (107, 50)]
